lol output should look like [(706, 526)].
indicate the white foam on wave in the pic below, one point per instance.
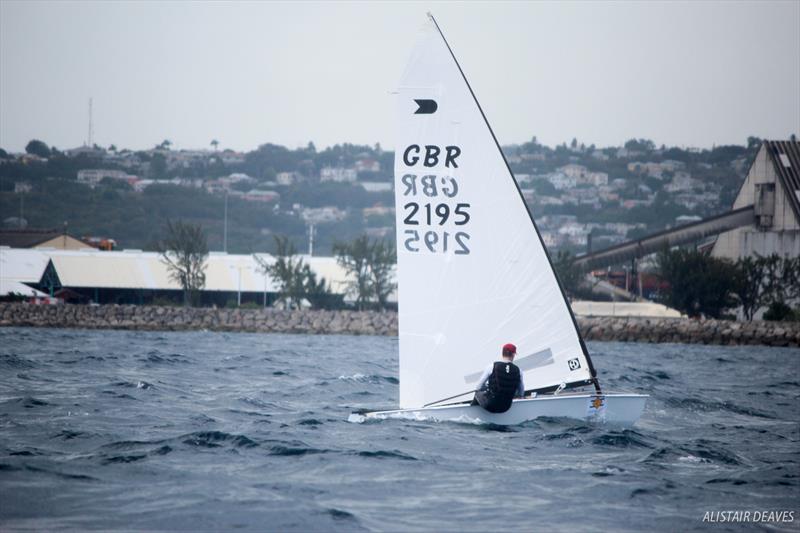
[(420, 417), (355, 377), (692, 459)]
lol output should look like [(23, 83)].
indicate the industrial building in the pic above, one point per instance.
[(772, 188), (39, 238), (137, 277)]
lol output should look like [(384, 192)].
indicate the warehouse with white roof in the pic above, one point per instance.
[(137, 277)]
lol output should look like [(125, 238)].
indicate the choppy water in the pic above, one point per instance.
[(220, 431)]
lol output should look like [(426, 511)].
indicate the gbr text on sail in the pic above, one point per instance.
[(433, 218)]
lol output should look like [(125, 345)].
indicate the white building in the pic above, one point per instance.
[(561, 181), (321, 215), (596, 179), (378, 210), (682, 181), (285, 178), (573, 171), (377, 186), (261, 196), (90, 269), (93, 176), (367, 165), (338, 174)]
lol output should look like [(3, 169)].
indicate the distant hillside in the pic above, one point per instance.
[(611, 193)]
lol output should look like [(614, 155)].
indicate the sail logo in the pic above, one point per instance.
[(425, 107), (574, 364)]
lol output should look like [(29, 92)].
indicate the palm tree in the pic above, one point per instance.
[(214, 143)]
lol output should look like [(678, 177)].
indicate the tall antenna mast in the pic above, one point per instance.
[(89, 140)]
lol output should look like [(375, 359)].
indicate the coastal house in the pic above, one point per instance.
[(323, 215), (93, 176), (338, 174), (561, 181), (377, 186), (257, 195), (285, 178), (367, 165), (573, 171)]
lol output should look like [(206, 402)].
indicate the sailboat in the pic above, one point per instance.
[(473, 271)]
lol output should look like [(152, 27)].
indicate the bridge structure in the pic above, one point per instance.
[(684, 234)]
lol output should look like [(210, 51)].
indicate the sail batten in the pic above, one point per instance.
[(472, 275)]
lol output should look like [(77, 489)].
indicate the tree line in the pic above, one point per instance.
[(704, 286), (369, 266), (700, 285)]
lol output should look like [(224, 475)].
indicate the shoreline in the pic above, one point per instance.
[(152, 318)]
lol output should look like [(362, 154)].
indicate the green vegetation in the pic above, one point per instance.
[(295, 279), (184, 250), (369, 265), (569, 274), (701, 285), (37, 147)]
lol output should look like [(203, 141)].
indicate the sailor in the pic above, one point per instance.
[(500, 383)]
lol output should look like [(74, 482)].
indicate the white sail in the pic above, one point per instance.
[(473, 273)]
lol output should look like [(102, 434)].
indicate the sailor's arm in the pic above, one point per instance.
[(484, 377), (520, 388)]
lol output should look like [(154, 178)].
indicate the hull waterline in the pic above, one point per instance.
[(621, 409)]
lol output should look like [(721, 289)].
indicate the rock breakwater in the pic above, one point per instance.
[(652, 330)]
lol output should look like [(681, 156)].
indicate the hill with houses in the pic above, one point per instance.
[(578, 194)]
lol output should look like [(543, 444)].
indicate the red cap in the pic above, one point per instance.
[(510, 348)]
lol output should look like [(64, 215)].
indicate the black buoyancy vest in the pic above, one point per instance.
[(504, 380)]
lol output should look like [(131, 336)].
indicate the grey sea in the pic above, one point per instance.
[(220, 431)]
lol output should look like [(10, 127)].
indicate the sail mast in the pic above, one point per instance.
[(592, 370)]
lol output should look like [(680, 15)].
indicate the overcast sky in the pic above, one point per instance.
[(680, 73)]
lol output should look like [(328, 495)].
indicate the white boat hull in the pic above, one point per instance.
[(621, 409)]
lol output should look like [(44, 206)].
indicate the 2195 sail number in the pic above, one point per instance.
[(436, 241), (441, 211)]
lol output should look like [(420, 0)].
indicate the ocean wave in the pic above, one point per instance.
[(373, 378), (700, 405), (700, 451), (12, 360), (131, 385), (26, 402), (156, 357), (338, 514), (120, 395), (116, 459), (256, 402), (67, 434), (622, 439), (386, 454), (216, 439), (282, 450), (60, 474)]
